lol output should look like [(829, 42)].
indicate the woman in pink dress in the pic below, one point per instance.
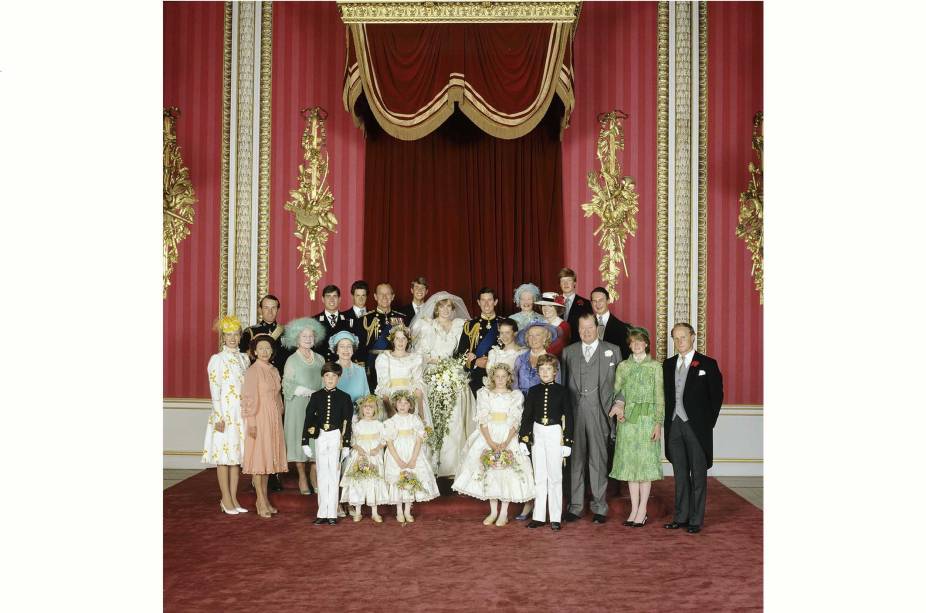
[(262, 409)]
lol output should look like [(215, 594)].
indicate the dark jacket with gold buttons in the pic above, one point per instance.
[(328, 410), (547, 404)]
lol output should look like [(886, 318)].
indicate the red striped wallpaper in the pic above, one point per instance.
[(308, 69), (193, 34), (734, 315), (615, 68)]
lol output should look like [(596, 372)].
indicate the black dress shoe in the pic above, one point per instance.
[(642, 523), (598, 519), (628, 523), (321, 521), (534, 523), (332, 521), (694, 529), (555, 525), (274, 484), (569, 516), (675, 525)]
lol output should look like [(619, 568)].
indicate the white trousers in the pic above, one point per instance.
[(548, 471), (328, 463)]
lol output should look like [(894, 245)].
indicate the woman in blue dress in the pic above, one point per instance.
[(353, 379)]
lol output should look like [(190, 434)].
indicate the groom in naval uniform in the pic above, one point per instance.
[(478, 337), (694, 393), (376, 325), (589, 367)]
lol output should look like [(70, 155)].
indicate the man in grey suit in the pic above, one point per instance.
[(588, 373)]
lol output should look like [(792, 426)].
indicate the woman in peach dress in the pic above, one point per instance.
[(261, 408)]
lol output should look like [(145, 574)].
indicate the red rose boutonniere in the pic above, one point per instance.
[(694, 363)]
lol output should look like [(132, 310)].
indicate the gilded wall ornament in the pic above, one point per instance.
[(614, 201), (312, 202), (359, 11), (179, 197), (752, 211)]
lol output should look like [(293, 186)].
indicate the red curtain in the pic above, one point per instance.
[(464, 209), (503, 76)]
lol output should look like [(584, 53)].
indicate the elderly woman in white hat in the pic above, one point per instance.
[(525, 296), (552, 305)]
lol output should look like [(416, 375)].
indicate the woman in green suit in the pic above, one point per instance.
[(637, 450)]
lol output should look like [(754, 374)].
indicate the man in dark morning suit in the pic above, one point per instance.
[(589, 367), (694, 394), (376, 326), (269, 307), (419, 293), (575, 305), (610, 328), (331, 319), (478, 337), (354, 317)]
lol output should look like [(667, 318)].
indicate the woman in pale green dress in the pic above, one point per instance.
[(637, 450), (301, 377)]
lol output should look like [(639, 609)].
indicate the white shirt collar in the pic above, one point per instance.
[(593, 345), (603, 317), (331, 313), (687, 357)]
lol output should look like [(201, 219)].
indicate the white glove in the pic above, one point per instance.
[(345, 451), (307, 451), (567, 451), (523, 449), (303, 391)]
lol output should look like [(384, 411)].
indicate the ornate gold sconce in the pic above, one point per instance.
[(312, 202), (614, 200), (178, 196), (751, 213)]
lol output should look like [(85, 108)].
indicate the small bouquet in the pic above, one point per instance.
[(409, 482), (496, 459), (363, 469)]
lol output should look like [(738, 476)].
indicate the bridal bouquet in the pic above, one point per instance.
[(409, 482), (496, 459), (444, 381), (363, 469)]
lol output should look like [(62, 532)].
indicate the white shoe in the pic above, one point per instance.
[(227, 511), (488, 521), (241, 509)]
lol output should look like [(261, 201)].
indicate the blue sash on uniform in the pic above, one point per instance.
[(487, 342)]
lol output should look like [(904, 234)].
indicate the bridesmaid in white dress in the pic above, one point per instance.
[(367, 445), (398, 369), (498, 413), (404, 435), (224, 443), (437, 329)]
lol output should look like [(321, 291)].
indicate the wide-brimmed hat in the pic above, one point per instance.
[(293, 329), (340, 336), (552, 299), (522, 334)]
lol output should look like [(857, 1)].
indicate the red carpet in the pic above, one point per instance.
[(449, 561)]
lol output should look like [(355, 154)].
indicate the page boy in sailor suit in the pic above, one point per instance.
[(328, 420), (546, 425)]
